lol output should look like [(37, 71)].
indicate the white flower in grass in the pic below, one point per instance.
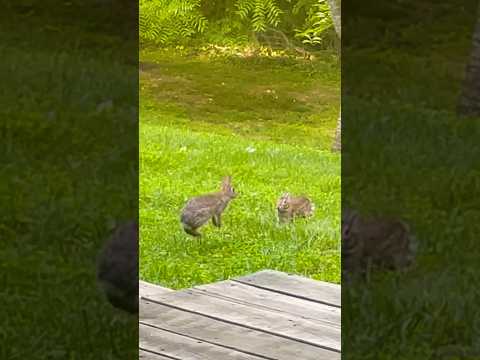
[(251, 149)]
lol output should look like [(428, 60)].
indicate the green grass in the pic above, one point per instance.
[(283, 100), (63, 181), (406, 153), (424, 173), (177, 164), (199, 117)]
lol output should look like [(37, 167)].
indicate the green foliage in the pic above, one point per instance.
[(222, 22), (166, 21), (317, 22), (262, 13), (227, 31)]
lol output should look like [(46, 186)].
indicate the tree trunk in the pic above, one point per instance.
[(337, 144), (335, 11), (469, 104)]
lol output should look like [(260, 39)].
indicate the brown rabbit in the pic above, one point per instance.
[(290, 207), (380, 242), (117, 268), (199, 210)]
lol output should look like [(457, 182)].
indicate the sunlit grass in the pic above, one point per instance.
[(177, 164)]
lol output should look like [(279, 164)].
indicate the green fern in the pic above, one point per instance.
[(318, 21), (168, 21), (261, 13), (171, 21)]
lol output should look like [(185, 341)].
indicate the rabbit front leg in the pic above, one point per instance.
[(283, 217), (217, 221)]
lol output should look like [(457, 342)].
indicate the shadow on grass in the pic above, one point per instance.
[(286, 101)]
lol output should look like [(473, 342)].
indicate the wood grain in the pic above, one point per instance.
[(294, 285)]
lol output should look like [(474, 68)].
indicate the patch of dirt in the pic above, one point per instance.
[(310, 97), (307, 96), (314, 95), (175, 88), (146, 66)]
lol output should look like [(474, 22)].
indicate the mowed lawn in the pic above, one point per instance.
[(184, 154), (408, 154), (64, 180)]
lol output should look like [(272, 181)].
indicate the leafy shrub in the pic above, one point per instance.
[(318, 21), (261, 13), (230, 22), (167, 21)]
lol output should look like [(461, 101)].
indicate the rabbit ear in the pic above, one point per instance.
[(227, 180), (226, 183)]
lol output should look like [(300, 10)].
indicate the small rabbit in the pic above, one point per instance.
[(290, 207), (381, 242), (199, 210), (117, 268), (352, 245)]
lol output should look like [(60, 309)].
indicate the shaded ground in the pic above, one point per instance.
[(283, 100)]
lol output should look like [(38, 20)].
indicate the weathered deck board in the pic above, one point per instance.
[(261, 319), (229, 335), (145, 355), (146, 289), (183, 347), (264, 299), (294, 285), (267, 315)]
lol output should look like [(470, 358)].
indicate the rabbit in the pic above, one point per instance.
[(199, 210), (117, 268), (289, 207), (352, 245), (379, 242)]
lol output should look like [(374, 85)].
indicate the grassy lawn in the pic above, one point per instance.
[(63, 182), (283, 100), (267, 123), (406, 153)]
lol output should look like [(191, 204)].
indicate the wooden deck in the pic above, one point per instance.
[(266, 315)]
